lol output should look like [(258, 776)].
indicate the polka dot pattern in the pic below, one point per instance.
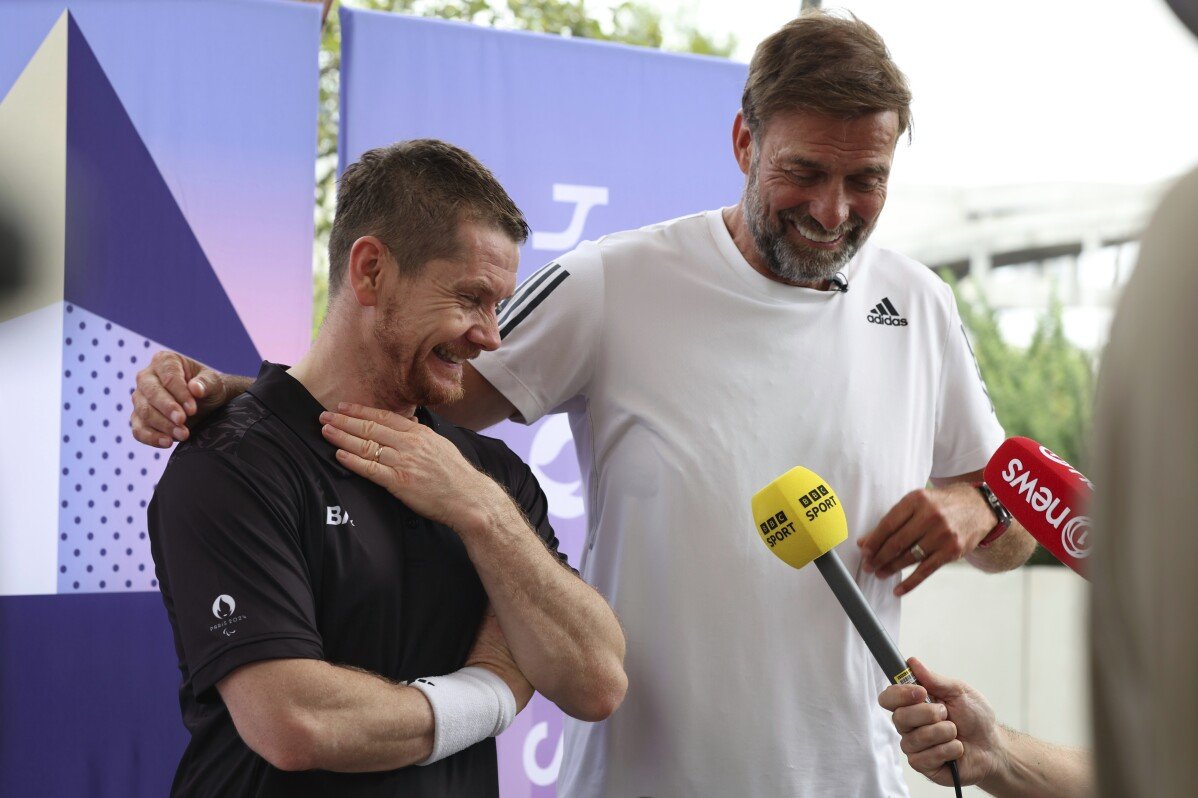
[(106, 477)]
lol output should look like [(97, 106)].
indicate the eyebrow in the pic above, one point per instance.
[(872, 169), (477, 287)]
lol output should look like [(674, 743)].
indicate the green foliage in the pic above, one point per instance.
[(1044, 392), (630, 22)]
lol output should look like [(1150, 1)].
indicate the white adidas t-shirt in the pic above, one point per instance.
[(692, 381)]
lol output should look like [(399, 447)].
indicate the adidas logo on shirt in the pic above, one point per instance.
[(886, 314)]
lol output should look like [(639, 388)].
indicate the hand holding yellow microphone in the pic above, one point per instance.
[(800, 519)]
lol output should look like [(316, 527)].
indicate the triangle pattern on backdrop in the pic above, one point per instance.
[(131, 256)]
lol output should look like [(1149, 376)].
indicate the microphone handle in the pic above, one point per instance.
[(885, 652)]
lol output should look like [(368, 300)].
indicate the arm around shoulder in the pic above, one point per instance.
[(481, 405), (173, 392)]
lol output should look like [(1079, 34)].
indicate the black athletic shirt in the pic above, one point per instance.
[(266, 548)]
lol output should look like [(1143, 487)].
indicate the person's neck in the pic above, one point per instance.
[(742, 237), (340, 368)]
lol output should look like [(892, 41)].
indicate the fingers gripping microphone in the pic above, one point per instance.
[(800, 519), (1046, 495)]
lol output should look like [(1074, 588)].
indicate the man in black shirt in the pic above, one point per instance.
[(311, 573)]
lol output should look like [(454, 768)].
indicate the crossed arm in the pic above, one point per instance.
[(548, 629), (304, 714), (562, 633)]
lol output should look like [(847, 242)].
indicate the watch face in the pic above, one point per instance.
[(1003, 514)]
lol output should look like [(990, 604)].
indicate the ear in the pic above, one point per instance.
[(368, 261), (742, 142)]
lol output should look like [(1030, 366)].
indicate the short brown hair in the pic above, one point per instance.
[(830, 65), (412, 195)]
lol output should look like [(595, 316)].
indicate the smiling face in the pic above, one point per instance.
[(814, 189), (430, 322)]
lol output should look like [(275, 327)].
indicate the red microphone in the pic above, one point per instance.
[(1045, 494)]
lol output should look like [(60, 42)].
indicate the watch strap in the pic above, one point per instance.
[(1001, 514)]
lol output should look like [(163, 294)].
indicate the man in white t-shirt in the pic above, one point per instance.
[(697, 360)]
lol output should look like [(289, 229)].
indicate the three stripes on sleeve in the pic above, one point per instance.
[(533, 292)]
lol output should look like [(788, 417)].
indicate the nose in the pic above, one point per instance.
[(485, 334), (830, 207)]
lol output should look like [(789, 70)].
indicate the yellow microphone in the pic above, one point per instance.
[(800, 519)]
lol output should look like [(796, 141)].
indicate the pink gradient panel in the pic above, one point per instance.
[(238, 155), (268, 284)]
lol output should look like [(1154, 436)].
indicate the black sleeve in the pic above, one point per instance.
[(229, 556), (509, 470)]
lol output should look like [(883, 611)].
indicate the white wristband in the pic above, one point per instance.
[(469, 706)]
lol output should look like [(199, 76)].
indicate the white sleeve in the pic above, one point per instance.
[(967, 429), (550, 330)]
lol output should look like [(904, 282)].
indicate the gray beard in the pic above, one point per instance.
[(785, 260)]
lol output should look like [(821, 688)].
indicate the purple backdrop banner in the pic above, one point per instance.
[(157, 159), (589, 138)]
